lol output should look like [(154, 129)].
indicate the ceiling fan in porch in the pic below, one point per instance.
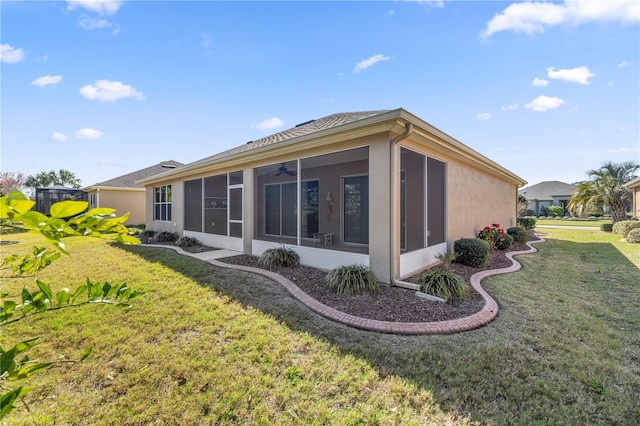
[(283, 170)]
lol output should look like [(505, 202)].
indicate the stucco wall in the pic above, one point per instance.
[(124, 201)]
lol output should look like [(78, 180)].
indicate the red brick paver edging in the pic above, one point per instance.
[(483, 317)]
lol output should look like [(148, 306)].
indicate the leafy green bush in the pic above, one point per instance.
[(352, 279), (471, 251), (526, 222), (606, 227), (556, 211), (505, 243), (519, 235), (167, 237), (623, 227), (187, 242), (634, 236), (443, 284), (275, 257), (149, 233)]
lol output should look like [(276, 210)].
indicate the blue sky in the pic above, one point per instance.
[(103, 88)]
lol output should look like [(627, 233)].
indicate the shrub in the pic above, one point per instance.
[(187, 242), (623, 227), (166, 237), (352, 279), (606, 227), (519, 235), (505, 243), (443, 284), (149, 233), (634, 236), (471, 251), (275, 257), (493, 234), (556, 211), (446, 259), (526, 222)]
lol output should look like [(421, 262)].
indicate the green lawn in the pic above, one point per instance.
[(214, 346), (560, 222)]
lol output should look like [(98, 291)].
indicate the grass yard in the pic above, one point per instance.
[(214, 346), (560, 222)]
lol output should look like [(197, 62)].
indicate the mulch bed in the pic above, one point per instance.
[(389, 303)]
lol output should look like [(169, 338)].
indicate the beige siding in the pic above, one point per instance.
[(124, 201)]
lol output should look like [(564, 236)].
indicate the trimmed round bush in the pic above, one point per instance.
[(471, 251), (606, 227), (443, 284), (166, 237), (519, 235), (352, 279), (275, 257), (505, 243), (526, 222), (634, 236), (624, 226)]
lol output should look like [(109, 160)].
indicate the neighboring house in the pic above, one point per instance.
[(124, 194), (379, 188), (46, 196), (545, 194), (634, 187)]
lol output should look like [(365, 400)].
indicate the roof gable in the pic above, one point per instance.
[(546, 190), (129, 180)]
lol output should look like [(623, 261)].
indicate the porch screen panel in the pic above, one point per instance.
[(215, 205), (309, 201), (356, 209), (272, 209), (412, 200), (193, 205), (436, 201), (289, 209)]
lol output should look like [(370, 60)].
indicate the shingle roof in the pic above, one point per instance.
[(305, 128), (546, 190), (129, 180)]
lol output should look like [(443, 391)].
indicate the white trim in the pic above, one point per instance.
[(315, 257), (416, 260)]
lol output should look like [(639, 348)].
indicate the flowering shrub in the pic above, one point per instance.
[(494, 235)]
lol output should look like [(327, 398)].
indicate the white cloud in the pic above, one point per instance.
[(88, 134), (544, 103), (47, 80), (510, 107), (93, 24), (540, 82), (10, 54), (483, 116), (623, 150), (270, 123), (624, 64), (110, 91), (58, 137), (438, 4), (103, 7), (575, 75), (535, 17), (363, 65)]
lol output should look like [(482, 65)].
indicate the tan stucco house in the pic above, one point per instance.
[(124, 194), (379, 188), (634, 187)]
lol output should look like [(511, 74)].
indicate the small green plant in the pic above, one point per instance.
[(352, 279), (556, 211), (505, 243), (519, 235), (166, 237), (42, 257), (606, 227), (443, 284), (625, 226), (526, 222), (148, 233), (446, 259), (273, 258), (187, 242), (471, 251), (634, 236), (493, 234)]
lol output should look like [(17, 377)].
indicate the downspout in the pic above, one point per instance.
[(394, 260)]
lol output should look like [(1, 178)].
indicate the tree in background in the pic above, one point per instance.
[(10, 181), (62, 177), (605, 189)]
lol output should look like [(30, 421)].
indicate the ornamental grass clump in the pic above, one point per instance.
[(352, 279), (443, 284), (187, 242), (471, 251), (494, 235), (273, 258), (166, 237)]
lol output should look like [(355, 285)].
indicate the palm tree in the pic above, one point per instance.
[(62, 177), (605, 189)]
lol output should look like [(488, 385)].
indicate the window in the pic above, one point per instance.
[(280, 209), (92, 201), (356, 209), (162, 203)]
